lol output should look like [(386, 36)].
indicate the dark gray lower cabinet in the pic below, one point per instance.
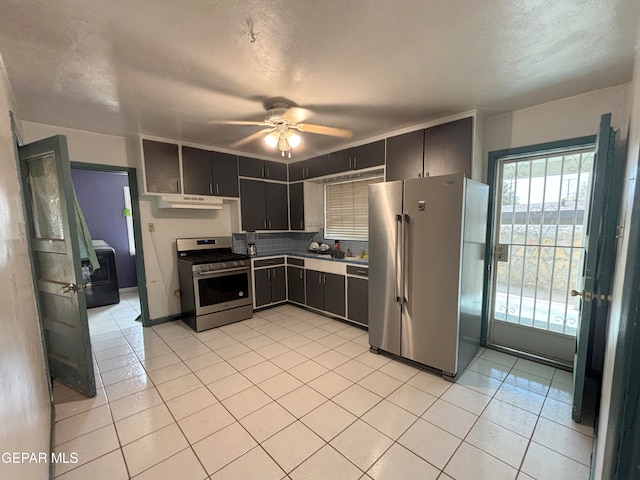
[(270, 285), (295, 283), (314, 289), (358, 300), (325, 291)]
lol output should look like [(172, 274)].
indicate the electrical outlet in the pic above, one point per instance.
[(152, 227)]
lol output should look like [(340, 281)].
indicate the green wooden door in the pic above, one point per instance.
[(597, 273), (50, 212)]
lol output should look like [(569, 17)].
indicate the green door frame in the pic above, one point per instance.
[(622, 443), (137, 229), (492, 177)]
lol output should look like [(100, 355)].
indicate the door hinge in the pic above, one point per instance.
[(619, 231)]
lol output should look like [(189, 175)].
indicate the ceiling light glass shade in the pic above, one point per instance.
[(272, 139), (293, 139)]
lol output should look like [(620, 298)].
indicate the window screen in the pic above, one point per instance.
[(346, 209)]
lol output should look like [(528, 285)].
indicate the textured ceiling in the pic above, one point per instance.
[(167, 68)]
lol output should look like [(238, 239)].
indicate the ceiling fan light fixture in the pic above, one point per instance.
[(293, 138), (272, 139)]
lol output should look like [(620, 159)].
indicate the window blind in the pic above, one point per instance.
[(346, 209)]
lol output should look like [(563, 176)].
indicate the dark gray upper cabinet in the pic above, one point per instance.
[(357, 158), (209, 173), (264, 205), (311, 168), (276, 171), (340, 161), (296, 206), (252, 202), (448, 148), (295, 283), (369, 155), (197, 173), (162, 167), (256, 168), (405, 156), (225, 174), (358, 300), (277, 206)]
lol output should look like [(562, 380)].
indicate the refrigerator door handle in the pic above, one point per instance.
[(405, 257), (399, 258)]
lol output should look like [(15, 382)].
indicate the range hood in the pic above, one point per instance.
[(196, 202)]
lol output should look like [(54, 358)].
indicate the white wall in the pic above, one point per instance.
[(570, 117), (629, 190), (159, 247), (25, 405)]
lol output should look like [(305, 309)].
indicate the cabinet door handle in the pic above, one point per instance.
[(301, 226), (320, 278), (350, 162), (355, 162), (265, 224), (262, 172), (217, 189), (300, 274), (210, 189), (269, 224), (269, 273), (268, 174)]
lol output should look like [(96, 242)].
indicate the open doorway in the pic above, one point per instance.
[(108, 197)]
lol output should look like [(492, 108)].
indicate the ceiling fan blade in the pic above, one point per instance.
[(322, 130), (237, 122), (251, 138), (296, 114)]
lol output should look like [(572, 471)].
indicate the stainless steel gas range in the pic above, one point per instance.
[(215, 284)]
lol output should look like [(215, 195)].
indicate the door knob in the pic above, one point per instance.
[(586, 295), (72, 287)]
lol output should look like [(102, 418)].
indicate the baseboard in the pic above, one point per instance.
[(169, 318), (128, 289)]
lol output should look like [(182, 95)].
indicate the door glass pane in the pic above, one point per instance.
[(45, 198), (542, 219)]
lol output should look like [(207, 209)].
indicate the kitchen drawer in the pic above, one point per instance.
[(268, 262), (326, 266), (295, 261), (356, 270)]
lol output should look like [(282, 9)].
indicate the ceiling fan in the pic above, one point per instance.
[(282, 122)]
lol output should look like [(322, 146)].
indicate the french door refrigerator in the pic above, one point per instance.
[(426, 266)]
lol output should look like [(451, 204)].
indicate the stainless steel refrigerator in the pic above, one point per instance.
[(426, 267)]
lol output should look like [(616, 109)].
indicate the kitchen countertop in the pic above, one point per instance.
[(307, 254)]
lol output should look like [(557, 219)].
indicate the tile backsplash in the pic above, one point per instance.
[(290, 241)]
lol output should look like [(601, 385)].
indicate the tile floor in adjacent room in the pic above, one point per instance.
[(293, 394)]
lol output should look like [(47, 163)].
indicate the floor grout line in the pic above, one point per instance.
[(174, 334)]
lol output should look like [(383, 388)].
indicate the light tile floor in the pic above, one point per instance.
[(292, 394)]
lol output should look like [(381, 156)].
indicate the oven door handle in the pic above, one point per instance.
[(219, 272)]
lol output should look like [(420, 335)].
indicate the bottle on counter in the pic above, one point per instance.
[(362, 254)]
